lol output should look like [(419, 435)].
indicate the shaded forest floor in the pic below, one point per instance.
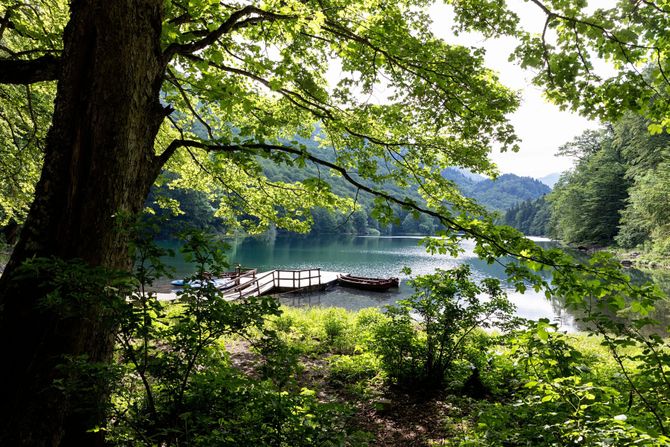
[(392, 417)]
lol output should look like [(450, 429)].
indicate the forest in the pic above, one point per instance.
[(177, 207), (259, 113), (615, 196)]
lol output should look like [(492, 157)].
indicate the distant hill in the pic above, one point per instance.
[(459, 177), (471, 175), (551, 179), (505, 192), (499, 194)]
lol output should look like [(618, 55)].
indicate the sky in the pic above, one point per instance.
[(540, 125)]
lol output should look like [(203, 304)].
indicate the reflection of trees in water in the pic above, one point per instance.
[(662, 279), (661, 312), (659, 277)]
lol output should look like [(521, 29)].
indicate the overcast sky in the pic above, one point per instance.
[(541, 126)]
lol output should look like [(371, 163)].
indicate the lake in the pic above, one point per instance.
[(374, 257)]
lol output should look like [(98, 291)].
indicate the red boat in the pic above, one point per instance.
[(363, 283)]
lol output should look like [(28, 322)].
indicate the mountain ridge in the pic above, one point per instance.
[(500, 194)]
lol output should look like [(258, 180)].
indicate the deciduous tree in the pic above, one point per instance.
[(205, 88)]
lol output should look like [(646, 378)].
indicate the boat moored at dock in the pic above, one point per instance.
[(219, 283), (364, 283)]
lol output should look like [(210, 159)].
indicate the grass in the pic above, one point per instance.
[(335, 356), (535, 387)]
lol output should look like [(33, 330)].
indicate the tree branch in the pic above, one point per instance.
[(252, 147), (45, 68), (236, 19)]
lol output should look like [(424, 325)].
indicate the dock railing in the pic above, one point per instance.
[(266, 282), (313, 277)]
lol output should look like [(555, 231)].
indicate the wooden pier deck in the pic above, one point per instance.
[(273, 281)]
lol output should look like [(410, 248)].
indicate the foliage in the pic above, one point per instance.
[(25, 110), (531, 217), (569, 397), (255, 76), (177, 385), (568, 56), (568, 51), (194, 209), (614, 195), (546, 388), (235, 108), (178, 208), (264, 108), (585, 203), (648, 211), (448, 306), (315, 330)]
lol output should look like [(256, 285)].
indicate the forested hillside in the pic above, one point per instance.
[(531, 217), (506, 191), (618, 193), (169, 198)]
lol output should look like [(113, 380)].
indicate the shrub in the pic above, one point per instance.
[(354, 368), (448, 308)]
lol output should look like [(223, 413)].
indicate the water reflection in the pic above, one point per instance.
[(386, 256), (661, 312)]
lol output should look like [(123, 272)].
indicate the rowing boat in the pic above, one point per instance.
[(364, 283), (219, 283)]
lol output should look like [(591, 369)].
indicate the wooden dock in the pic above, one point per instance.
[(273, 281)]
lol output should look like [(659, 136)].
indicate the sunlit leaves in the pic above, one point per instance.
[(403, 106), (34, 29), (579, 48)]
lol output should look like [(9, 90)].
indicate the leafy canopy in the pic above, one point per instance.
[(365, 79), (629, 36)]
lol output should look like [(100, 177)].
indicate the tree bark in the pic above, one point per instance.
[(99, 162)]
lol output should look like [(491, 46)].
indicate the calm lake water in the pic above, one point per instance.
[(375, 257)]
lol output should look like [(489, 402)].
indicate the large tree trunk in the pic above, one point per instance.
[(99, 163)]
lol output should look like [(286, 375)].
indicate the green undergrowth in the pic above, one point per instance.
[(431, 370), (528, 387), (321, 376), (253, 373)]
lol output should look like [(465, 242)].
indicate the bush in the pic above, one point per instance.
[(448, 308), (354, 368), (570, 396)]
